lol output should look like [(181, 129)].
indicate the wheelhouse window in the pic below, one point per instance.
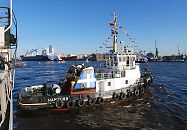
[(124, 58), (127, 63), (122, 73), (126, 82), (109, 83), (119, 59), (115, 58)]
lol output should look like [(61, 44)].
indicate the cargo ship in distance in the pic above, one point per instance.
[(48, 54)]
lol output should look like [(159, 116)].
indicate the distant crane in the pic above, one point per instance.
[(156, 50), (178, 50), (181, 56), (184, 52), (31, 51)]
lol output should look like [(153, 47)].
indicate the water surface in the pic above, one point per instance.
[(163, 107)]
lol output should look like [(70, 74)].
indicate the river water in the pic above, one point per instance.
[(164, 106)]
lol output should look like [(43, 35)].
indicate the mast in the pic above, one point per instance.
[(115, 33)]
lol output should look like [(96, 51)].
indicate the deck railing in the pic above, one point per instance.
[(5, 94), (107, 75)]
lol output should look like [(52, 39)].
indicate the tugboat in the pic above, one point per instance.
[(8, 48), (119, 79)]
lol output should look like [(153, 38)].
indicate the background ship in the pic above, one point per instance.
[(47, 55)]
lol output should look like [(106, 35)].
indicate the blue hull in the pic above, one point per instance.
[(39, 58)]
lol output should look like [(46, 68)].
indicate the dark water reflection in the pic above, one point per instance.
[(163, 107)]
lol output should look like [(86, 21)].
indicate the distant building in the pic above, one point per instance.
[(96, 57)]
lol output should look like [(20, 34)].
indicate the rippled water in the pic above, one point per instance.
[(163, 107)]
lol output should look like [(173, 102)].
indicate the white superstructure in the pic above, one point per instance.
[(120, 70)]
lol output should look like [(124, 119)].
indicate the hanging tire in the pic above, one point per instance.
[(129, 94), (151, 79), (70, 104), (142, 90), (136, 92), (91, 101), (122, 96), (115, 96), (149, 82), (100, 100), (59, 103), (80, 103)]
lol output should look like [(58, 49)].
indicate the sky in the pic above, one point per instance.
[(82, 26)]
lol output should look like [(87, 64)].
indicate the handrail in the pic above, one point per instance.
[(10, 11), (5, 77), (103, 75)]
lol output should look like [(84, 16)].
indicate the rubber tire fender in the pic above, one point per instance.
[(149, 82), (115, 96), (142, 90), (59, 103), (91, 101), (151, 79), (70, 104), (100, 100), (80, 103), (122, 96), (130, 94), (136, 92)]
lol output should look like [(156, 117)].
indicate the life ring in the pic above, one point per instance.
[(115, 96), (100, 100), (122, 96), (59, 103), (81, 103), (142, 90), (136, 92), (91, 101), (70, 104)]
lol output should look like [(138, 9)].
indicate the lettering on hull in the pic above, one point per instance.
[(58, 98)]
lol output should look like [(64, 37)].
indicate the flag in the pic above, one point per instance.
[(125, 32), (111, 24)]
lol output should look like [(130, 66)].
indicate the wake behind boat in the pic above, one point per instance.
[(120, 78)]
